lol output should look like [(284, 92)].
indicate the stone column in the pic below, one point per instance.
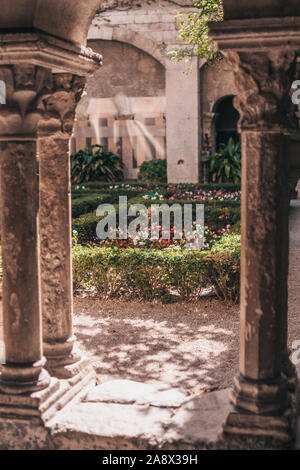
[(260, 398), (183, 121), (23, 370), (54, 133)]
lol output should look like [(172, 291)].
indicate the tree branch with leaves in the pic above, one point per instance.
[(193, 30)]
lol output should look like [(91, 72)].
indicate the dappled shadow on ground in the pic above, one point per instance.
[(194, 346)]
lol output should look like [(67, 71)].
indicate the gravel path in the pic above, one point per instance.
[(193, 346)]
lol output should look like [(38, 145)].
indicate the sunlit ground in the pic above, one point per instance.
[(188, 345)]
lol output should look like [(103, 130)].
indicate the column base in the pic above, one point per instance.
[(260, 410), (65, 361), (18, 379), (25, 420), (260, 398), (44, 404), (239, 423)]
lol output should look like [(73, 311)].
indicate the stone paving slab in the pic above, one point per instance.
[(198, 422), (94, 424), (129, 392), (110, 426)]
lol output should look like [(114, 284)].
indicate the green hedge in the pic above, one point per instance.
[(114, 193), (84, 205), (153, 171), (162, 275), (85, 226)]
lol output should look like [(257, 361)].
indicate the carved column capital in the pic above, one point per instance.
[(263, 80), (25, 86), (59, 106)]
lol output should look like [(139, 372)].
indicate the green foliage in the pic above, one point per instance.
[(236, 229), (225, 165), (153, 172), (229, 243), (193, 29), (155, 274), (95, 164), (88, 203), (218, 217), (85, 226)]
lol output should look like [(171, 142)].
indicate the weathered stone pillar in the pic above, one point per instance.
[(260, 397), (54, 132), (183, 121), (23, 369)]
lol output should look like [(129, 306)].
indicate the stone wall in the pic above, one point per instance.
[(126, 70), (149, 29), (124, 5), (134, 38), (124, 109), (217, 82)]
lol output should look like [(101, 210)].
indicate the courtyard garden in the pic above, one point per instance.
[(158, 269), (189, 342)]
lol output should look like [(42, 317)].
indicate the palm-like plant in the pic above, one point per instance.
[(95, 164), (225, 165)]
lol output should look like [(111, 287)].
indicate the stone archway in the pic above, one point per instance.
[(124, 107), (225, 121), (155, 33), (136, 39)]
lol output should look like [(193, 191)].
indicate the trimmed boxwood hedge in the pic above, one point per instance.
[(156, 274), (89, 203), (85, 226)]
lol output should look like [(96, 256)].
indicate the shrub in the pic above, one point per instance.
[(225, 165), (236, 229), (95, 164), (86, 204), (155, 274), (85, 226), (154, 171)]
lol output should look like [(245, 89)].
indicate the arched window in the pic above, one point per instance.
[(2, 92), (227, 118)]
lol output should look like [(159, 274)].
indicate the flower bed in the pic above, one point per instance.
[(217, 219), (206, 195), (158, 269)]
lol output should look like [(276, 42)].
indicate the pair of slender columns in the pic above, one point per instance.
[(36, 235)]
